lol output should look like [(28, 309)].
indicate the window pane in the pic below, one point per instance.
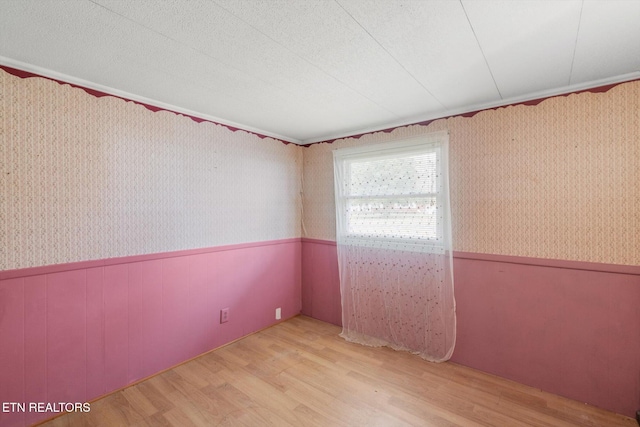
[(393, 218), (387, 176)]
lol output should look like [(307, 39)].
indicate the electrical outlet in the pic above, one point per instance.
[(224, 315), (278, 313)]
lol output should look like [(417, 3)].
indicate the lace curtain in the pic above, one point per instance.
[(394, 245)]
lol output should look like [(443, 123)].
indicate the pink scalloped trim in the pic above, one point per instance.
[(598, 89), (98, 94)]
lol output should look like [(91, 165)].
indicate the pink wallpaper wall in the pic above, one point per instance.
[(163, 221), (86, 178), (556, 180), (557, 183)]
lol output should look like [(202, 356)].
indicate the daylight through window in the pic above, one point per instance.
[(393, 193)]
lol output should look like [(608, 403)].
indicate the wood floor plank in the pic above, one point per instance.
[(301, 373)]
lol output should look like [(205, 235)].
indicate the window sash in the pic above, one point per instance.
[(376, 220), (361, 229)]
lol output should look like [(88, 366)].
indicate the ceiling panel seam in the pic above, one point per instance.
[(575, 45), (390, 54), (320, 69), (481, 50), (252, 76), (308, 62)]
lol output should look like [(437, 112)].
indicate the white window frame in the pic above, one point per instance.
[(433, 142)]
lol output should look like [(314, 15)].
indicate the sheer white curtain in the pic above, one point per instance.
[(394, 245)]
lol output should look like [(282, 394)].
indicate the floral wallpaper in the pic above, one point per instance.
[(87, 178), (558, 180)]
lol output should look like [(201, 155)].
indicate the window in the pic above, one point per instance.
[(394, 193)]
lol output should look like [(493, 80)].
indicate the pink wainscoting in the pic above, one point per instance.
[(71, 336), (572, 332), (12, 348), (35, 349), (570, 328), (321, 281)]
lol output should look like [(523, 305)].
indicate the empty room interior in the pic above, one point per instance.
[(319, 213)]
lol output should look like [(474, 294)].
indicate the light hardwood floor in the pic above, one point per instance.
[(300, 373)]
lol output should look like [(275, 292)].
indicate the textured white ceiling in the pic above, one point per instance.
[(310, 70)]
